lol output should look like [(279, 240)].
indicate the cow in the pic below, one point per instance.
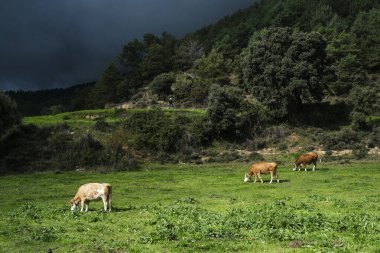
[(304, 159), (262, 168), (92, 191)]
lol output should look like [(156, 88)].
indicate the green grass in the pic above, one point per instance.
[(196, 208), (78, 119)]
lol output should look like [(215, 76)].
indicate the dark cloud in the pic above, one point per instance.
[(48, 44)]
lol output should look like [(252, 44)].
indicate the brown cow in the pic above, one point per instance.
[(92, 191), (304, 159), (262, 168)]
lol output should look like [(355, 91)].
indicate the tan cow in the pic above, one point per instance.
[(304, 159), (92, 191), (262, 168)]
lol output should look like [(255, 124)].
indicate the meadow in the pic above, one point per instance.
[(196, 208), (82, 118)]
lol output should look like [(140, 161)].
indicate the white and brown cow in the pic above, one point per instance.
[(304, 159), (262, 168), (92, 191)]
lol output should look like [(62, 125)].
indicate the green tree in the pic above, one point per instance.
[(158, 56), (367, 30), (285, 69), (161, 84), (224, 105), (9, 115), (213, 68), (105, 90), (364, 99), (187, 53)]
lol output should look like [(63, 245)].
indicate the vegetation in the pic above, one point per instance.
[(265, 84), (9, 115), (194, 208)]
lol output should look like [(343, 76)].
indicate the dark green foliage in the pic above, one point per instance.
[(29, 148), (188, 52), (358, 121), (102, 125), (33, 102), (213, 68), (161, 85), (367, 31), (24, 147), (9, 116), (106, 89), (343, 139), (364, 99), (327, 115), (55, 109), (285, 69), (154, 131), (224, 103)]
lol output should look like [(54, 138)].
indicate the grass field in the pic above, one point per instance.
[(196, 208), (81, 118)]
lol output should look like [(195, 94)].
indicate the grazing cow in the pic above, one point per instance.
[(92, 191), (304, 159), (262, 168)]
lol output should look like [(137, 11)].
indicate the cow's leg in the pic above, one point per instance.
[(278, 180), (105, 203), (305, 167), (87, 203), (299, 167), (271, 177), (109, 203), (315, 166), (260, 178), (255, 179), (82, 203)]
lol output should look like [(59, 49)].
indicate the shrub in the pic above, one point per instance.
[(101, 125), (9, 115), (154, 131), (343, 139)]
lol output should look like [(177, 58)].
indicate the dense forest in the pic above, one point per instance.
[(296, 62), (308, 51)]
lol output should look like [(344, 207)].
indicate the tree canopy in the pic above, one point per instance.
[(285, 68)]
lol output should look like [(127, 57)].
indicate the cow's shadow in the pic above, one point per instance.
[(311, 170), (266, 181), (122, 209)]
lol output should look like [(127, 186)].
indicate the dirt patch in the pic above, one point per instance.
[(269, 151), (341, 152), (295, 244), (374, 151)]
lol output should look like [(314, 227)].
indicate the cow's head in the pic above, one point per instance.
[(74, 204), (247, 178), (294, 167)]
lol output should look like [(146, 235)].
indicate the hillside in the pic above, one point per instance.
[(280, 75)]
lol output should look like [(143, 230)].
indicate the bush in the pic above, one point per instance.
[(154, 131), (338, 140), (101, 125), (9, 115)]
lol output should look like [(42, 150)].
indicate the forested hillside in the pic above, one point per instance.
[(344, 35), (261, 74)]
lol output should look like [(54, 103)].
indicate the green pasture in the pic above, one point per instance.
[(196, 208), (81, 118)]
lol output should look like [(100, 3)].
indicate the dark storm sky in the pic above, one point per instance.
[(59, 43)]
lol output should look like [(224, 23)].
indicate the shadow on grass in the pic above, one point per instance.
[(311, 170), (267, 181), (123, 209)]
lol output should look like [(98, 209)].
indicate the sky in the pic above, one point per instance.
[(48, 44)]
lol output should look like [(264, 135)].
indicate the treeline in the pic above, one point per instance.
[(52, 101), (285, 55)]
